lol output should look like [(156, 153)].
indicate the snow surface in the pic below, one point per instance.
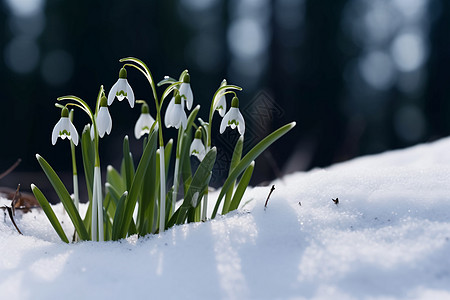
[(388, 238)]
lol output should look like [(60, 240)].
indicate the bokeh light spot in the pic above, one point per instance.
[(377, 70), (408, 51), (247, 38), (22, 54), (24, 8)]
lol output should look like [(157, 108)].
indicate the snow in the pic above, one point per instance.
[(388, 238)]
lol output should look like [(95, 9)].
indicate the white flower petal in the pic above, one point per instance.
[(64, 129), (224, 123), (175, 116), (112, 93), (221, 105), (185, 89), (104, 121), (198, 149), (73, 133), (92, 132), (130, 95), (168, 115), (183, 119), (233, 118), (241, 124), (121, 89), (55, 132), (143, 125)]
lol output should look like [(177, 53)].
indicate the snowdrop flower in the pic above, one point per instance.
[(233, 118), (121, 89), (144, 123), (221, 104), (103, 119), (64, 128), (186, 91), (197, 147), (175, 115)]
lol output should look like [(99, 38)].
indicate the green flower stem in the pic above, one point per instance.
[(175, 184), (205, 205), (142, 67), (212, 109), (98, 185), (76, 194), (208, 135), (176, 170), (97, 203), (162, 206)]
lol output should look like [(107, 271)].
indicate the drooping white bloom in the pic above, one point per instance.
[(197, 148), (121, 89), (220, 100), (221, 105), (186, 91), (64, 128), (175, 115), (144, 123), (233, 118), (104, 121)]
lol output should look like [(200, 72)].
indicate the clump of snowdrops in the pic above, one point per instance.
[(112, 205)]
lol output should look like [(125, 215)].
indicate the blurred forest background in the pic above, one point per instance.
[(358, 76)]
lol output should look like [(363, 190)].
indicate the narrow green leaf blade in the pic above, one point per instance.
[(46, 207), (65, 198), (118, 218), (248, 158), (166, 80), (113, 178), (235, 159), (242, 186), (128, 163), (135, 189), (198, 185)]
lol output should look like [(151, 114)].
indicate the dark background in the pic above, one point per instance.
[(358, 77)]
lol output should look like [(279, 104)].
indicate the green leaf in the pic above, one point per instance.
[(128, 163), (118, 218), (185, 161), (168, 155), (46, 207), (166, 80), (113, 178), (110, 209), (248, 158), (110, 204), (137, 184), (150, 194), (235, 159), (115, 194), (65, 198), (242, 186), (198, 185), (87, 217)]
